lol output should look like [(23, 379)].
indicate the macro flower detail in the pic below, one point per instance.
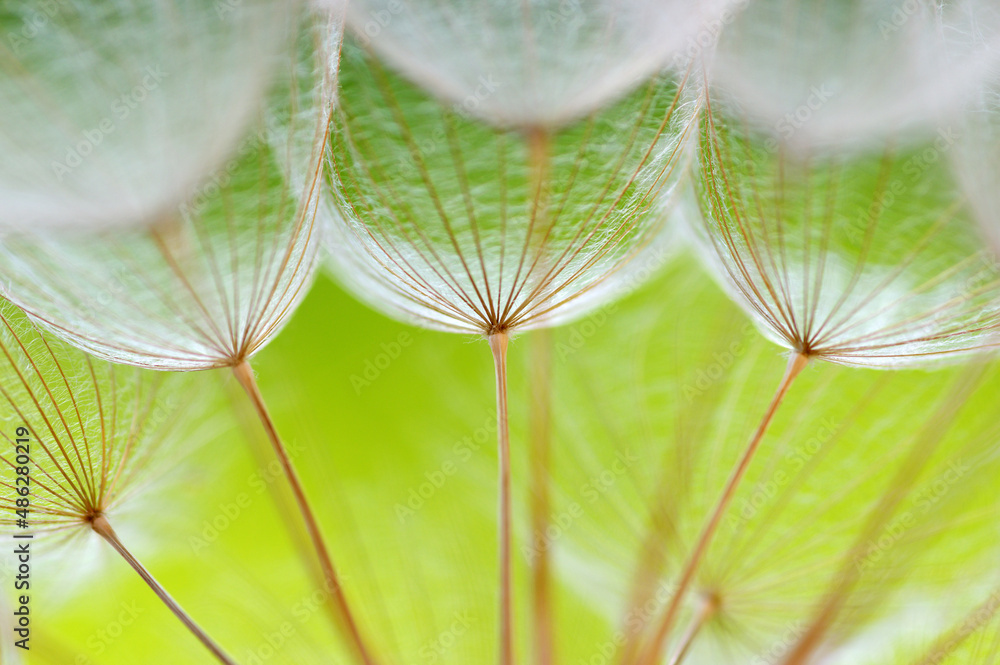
[(830, 537), (90, 435), (446, 222), (115, 112), (542, 64), (215, 278), (855, 258), (706, 244), (863, 258), (822, 74), (443, 220)]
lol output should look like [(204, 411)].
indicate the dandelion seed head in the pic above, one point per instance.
[(216, 277), (440, 219), (867, 258), (539, 63), (97, 433), (823, 73), (115, 112)]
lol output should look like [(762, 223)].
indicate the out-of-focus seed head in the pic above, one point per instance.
[(819, 73), (114, 112), (540, 63)]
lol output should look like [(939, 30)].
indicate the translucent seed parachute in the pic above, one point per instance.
[(544, 63), (832, 73), (442, 220), (89, 432), (115, 111), (95, 428), (217, 276), (864, 257)]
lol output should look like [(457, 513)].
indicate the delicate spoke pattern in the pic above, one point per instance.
[(870, 492), (96, 429), (441, 219), (91, 432), (215, 278), (866, 259)]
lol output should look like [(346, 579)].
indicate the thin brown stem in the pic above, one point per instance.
[(102, 526), (654, 649), (244, 374), (849, 574), (541, 453), (708, 608), (498, 345)]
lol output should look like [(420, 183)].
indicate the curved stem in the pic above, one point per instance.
[(541, 452), (244, 374), (102, 526), (498, 345), (654, 650)]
